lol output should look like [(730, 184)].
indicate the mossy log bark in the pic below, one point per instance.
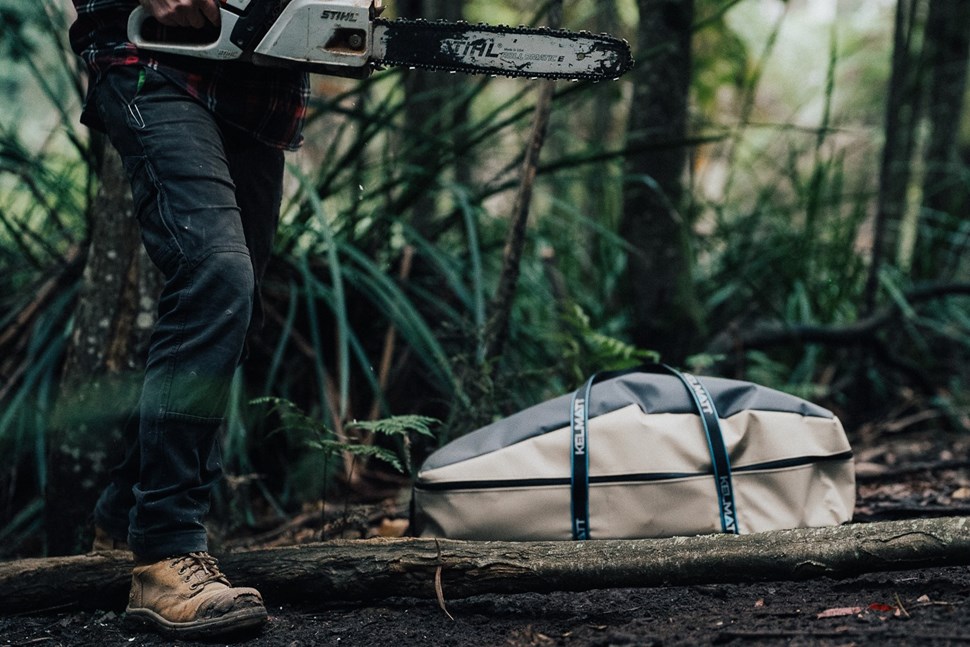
[(344, 571)]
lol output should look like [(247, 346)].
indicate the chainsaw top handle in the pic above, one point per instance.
[(245, 23), (222, 48)]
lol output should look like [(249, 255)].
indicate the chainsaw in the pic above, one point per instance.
[(348, 38)]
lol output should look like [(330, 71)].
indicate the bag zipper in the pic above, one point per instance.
[(784, 463)]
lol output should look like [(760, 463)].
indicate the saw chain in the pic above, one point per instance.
[(484, 49)]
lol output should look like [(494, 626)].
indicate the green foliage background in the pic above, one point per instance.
[(786, 121)]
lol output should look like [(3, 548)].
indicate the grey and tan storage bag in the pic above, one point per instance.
[(642, 454)]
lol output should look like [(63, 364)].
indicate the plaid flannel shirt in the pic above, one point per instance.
[(270, 103)]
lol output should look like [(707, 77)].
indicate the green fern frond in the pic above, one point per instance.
[(317, 435), (333, 447), (591, 350), (397, 425)]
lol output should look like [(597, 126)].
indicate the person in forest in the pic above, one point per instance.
[(202, 143)]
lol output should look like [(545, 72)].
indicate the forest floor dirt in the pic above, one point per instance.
[(927, 607), (907, 476)]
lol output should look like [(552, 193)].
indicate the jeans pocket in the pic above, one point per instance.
[(160, 242), (116, 95)]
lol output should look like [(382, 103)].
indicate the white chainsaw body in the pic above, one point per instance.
[(325, 32), (331, 32)]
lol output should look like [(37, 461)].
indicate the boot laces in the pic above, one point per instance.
[(200, 569)]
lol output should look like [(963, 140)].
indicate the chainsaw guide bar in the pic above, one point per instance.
[(533, 52)]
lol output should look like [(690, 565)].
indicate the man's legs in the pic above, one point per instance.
[(184, 172), (188, 176)]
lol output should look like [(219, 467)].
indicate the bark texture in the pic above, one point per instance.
[(667, 315), (102, 371), (903, 111), (343, 571), (945, 194), (433, 105)]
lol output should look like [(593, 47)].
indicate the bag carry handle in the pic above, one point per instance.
[(715, 441), (579, 480), (579, 428)]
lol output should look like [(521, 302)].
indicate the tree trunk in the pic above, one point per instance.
[(433, 108), (667, 315), (102, 371), (902, 119), (945, 194), (343, 571), (600, 195)]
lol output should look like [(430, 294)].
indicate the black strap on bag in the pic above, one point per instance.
[(579, 484), (715, 441), (579, 427)]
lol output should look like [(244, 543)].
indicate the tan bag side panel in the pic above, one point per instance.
[(514, 514), (629, 441), (617, 445), (656, 509), (808, 496), (816, 495), (679, 507), (755, 437)]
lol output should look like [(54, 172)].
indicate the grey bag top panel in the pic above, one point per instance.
[(653, 392)]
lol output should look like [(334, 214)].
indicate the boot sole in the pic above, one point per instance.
[(234, 622)]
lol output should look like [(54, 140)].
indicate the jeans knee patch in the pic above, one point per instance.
[(231, 267)]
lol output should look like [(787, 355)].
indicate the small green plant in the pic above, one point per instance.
[(587, 350), (315, 434)]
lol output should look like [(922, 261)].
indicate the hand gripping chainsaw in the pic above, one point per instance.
[(347, 38)]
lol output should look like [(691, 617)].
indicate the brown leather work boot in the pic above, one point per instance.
[(188, 597)]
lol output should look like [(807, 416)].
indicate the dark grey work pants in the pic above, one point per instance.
[(207, 198)]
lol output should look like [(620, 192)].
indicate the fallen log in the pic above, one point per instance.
[(342, 571)]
